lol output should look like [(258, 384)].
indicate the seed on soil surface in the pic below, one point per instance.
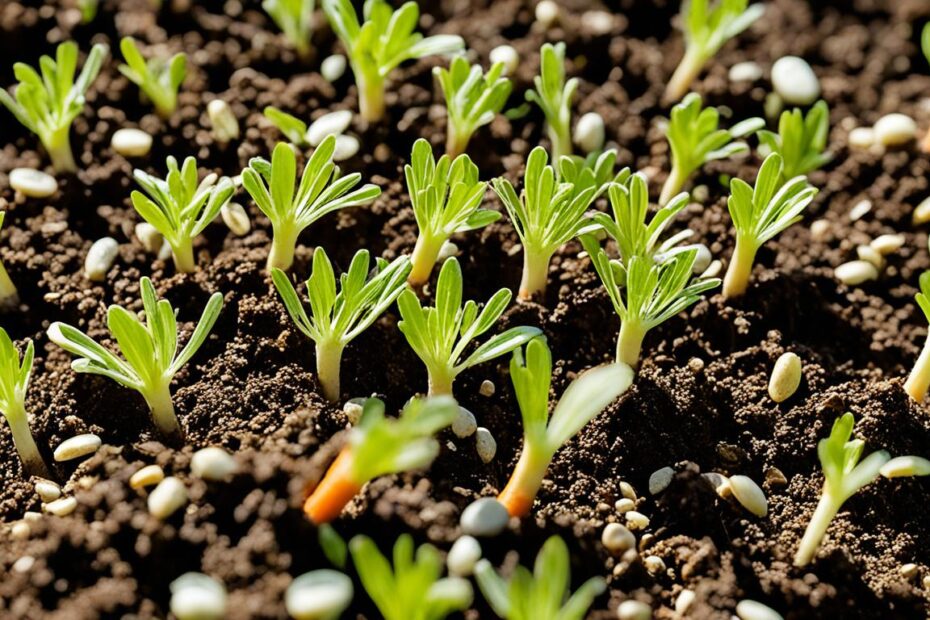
[(47, 490), (634, 610), (624, 505), (856, 272), (861, 137), (683, 602), (463, 556), (333, 67), (330, 124), (318, 595), (753, 610), (353, 409), (713, 270), (23, 564), (195, 596), (636, 520), (627, 491), (507, 55), (617, 538), (922, 212), (895, 129), (346, 148), (795, 81), (146, 477), (76, 447), (887, 244), (547, 13), (61, 507), (926, 582), (131, 142), (167, 497), (236, 219), (213, 464), (786, 377), (745, 72), (464, 424), (597, 22), (820, 230), (654, 564), (446, 250), (487, 388), (100, 258), (906, 466), (749, 495), (31, 516), (223, 120), (909, 571), (149, 237), (33, 183), (870, 255), (660, 479), (589, 132), (860, 210), (20, 530), (485, 444), (484, 517)]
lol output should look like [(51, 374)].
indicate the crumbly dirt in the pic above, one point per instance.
[(699, 403)]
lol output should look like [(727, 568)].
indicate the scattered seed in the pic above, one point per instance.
[(887, 244), (464, 424), (508, 56), (77, 446), (712, 271), (236, 219), (331, 124), (695, 365), (624, 505), (795, 81), (775, 477), (149, 237), (895, 129), (213, 464), (61, 507), (333, 67), (167, 497), (487, 388), (820, 230), (547, 13), (862, 137), (786, 377), (485, 444), (627, 491), (684, 601), (146, 477), (752, 610), (318, 595), (909, 571), (346, 148), (922, 212), (353, 409), (31, 516), (463, 556), (33, 183), (745, 72), (617, 539), (856, 272), (20, 530), (23, 564), (749, 495), (870, 255), (100, 258), (906, 466), (926, 582), (47, 490), (654, 564), (634, 610), (195, 596), (597, 23), (660, 479), (446, 250), (589, 132), (131, 142), (224, 121), (860, 210), (485, 517), (636, 520)]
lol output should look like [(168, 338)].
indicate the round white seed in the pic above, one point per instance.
[(100, 258), (224, 121), (636, 520), (346, 148), (589, 132), (820, 230), (195, 596), (485, 444), (860, 210), (895, 129), (745, 72), (167, 497), (547, 13), (786, 377), (20, 530), (870, 255), (446, 250), (887, 244), (487, 388), (617, 538), (856, 272), (131, 142), (684, 601), (634, 610), (795, 81), (33, 183), (146, 477), (906, 466), (61, 507), (861, 137), (463, 556), (506, 55), (464, 424), (624, 505), (749, 495), (318, 595), (236, 219), (330, 124), (333, 67), (149, 237), (660, 479), (713, 270), (47, 490), (76, 447), (213, 464), (753, 610), (23, 564), (654, 564), (597, 23)]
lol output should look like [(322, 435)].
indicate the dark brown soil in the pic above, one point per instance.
[(699, 403)]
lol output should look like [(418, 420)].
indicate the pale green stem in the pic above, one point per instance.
[(58, 145), (561, 141), (673, 185), (525, 479), (9, 296), (440, 383), (283, 243), (183, 254), (688, 70), (162, 409), (328, 362), (535, 273), (165, 105), (736, 280), (630, 342), (919, 380), (25, 444), (827, 508), (456, 141), (370, 97), (424, 256)]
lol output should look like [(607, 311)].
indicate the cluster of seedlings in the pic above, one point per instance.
[(649, 276)]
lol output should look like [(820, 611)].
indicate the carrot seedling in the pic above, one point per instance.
[(14, 381), (294, 129), (337, 318), (472, 99), (440, 335), (801, 140), (9, 296), (295, 19), (47, 104), (919, 380), (585, 398), (596, 170), (378, 446), (446, 196), (158, 79), (554, 97), (150, 350)]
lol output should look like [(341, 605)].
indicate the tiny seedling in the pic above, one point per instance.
[(295, 19), (47, 104), (584, 399), (472, 99), (150, 350), (413, 588), (377, 46), (801, 140), (546, 215), (595, 170), (179, 207), (9, 296), (645, 293), (157, 78), (440, 335), (322, 190), (337, 318), (706, 29), (379, 446), (919, 380), (843, 475), (759, 213), (542, 594), (554, 96), (14, 381), (88, 10), (294, 129), (446, 196), (695, 139)]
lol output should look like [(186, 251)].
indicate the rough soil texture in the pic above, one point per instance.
[(699, 403)]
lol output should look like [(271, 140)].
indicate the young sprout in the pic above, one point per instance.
[(446, 196), (542, 594), (179, 207), (759, 214), (554, 96), (440, 335), (337, 318), (546, 215), (413, 588), (843, 476), (919, 380), (295, 19), (294, 129), (9, 296), (595, 170), (158, 79), (646, 293), (322, 190), (379, 446), (695, 139), (377, 46), (584, 398), (47, 104), (801, 141), (88, 10), (472, 99), (706, 29), (150, 350), (14, 381)]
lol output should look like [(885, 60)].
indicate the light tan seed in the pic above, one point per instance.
[(895, 129), (634, 610), (905, 466), (856, 272), (487, 388), (47, 490), (909, 571), (860, 210), (61, 507), (213, 464), (236, 219), (820, 230), (862, 137), (617, 538), (748, 493), (131, 142), (887, 244), (627, 491), (753, 610), (720, 483), (224, 121), (146, 477), (100, 258), (922, 212), (77, 446), (167, 497), (870, 255), (654, 564), (636, 520), (33, 183), (20, 530), (149, 237), (684, 601), (786, 377), (624, 505)]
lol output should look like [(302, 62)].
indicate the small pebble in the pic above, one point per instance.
[(820, 230), (745, 72), (346, 148), (333, 67), (131, 142), (683, 602), (167, 497), (887, 244), (860, 210), (909, 571), (752, 610), (213, 464), (47, 490), (749, 495), (20, 530), (100, 258), (487, 388), (895, 129), (624, 505), (195, 596), (870, 255), (589, 132), (862, 138), (660, 479), (76, 447), (856, 272), (795, 81), (906, 466), (485, 444), (617, 539), (146, 477), (61, 507), (636, 520), (33, 183), (484, 517), (318, 595), (236, 219), (627, 491), (331, 124), (547, 13), (786, 377), (353, 409), (634, 610), (463, 556), (464, 424), (149, 237), (223, 120), (654, 564), (508, 56)]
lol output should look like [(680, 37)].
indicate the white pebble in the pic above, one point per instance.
[(795, 81), (887, 244), (506, 55), (485, 444), (905, 466), (464, 424), (77, 446), (636, 520), (235, 218), (660, 479), (617, 538), (684, 601), (786, 377), (330, 124), (47, 490), (862, 137), (634, 610), (484, 517), (589, 132), (61, 507), (487, 388), (131, 142), (213, 464), (20, 530), (654, 564), (745, 72), (33, 183), (224, 121), (895, 129), (318, 595), (856, 272), (748, 493), (353, 409), (346, 148), (146, 477), (870, 255), (753, 610), (547, 13), (195, 596), (149, 237), (624, 505), (820, 230), (167, 497), (333, 67), (597, 22), (860, 210), (100, 258), (463, 556)]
